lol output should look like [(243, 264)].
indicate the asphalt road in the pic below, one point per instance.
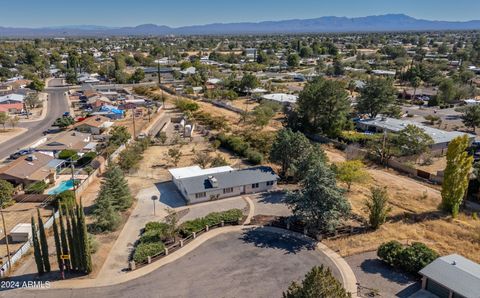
[(57, 105), (254, 263)]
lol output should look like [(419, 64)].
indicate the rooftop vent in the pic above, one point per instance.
[(31, 158), (213, 181)]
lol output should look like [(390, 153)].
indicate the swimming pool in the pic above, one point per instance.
[(63, 186)]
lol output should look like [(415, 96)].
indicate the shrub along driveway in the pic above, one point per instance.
[(251, 263)]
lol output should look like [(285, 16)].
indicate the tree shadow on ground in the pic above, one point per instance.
[(273, 197), (261, 237), (412, 218), (376, 266)]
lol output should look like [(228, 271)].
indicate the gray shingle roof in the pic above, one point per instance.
[(229, 179), (457, 273)]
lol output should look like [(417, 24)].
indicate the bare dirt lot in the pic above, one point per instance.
[(414, 217)]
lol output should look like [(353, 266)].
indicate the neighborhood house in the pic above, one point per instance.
[(451, 276), (200, 185)]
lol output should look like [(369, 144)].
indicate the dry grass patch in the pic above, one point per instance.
[(414, 217)]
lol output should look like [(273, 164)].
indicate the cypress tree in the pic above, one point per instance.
[(63, 237), (86, 244), (71, 244), (76, 254), (58, 245), (36, 249), (43, 243), (79, 239)]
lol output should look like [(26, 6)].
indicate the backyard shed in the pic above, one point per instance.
[(21, 232)]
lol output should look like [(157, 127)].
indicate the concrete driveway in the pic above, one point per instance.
[(252, 263)]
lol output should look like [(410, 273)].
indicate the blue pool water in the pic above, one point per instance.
[(63, 186)]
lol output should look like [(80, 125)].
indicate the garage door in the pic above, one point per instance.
[(437, 289)]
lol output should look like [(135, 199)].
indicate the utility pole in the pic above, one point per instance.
[(133, 119), (158, 72), (6, 238), (73, 174)]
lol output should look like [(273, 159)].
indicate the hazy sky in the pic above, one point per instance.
[(38, 13)]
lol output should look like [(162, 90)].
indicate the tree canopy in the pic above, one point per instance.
[(377, 96)]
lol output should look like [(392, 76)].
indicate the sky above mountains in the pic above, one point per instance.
[(118, 13)]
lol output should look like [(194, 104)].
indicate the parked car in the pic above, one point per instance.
[(21, 153)]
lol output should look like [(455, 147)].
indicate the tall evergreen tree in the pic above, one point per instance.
[(75, 243), (43, 243), (36, 249), (71, 245), (115, 185), (63, 238), (323, 107), (319, 203), (86, 245), (58, 245), (287, 148), (457, 175), (106, 218), (79, 238)]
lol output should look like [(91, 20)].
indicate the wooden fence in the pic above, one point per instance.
[(179, 244)]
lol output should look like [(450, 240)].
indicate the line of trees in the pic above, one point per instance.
[(72, 247)]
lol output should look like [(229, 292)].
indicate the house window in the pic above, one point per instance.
[(228, 190), (255, 185), (270, 183), (200, 195)]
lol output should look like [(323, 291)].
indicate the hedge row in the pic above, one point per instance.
[(144, 250), (240, 147), (412, 258), (154, 232), (187, 228)]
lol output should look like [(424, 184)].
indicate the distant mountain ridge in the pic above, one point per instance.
[(379, 23)]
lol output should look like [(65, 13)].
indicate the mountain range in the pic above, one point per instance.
[(379, 23)]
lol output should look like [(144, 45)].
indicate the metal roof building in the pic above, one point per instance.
[(452, 276), (440, 137)]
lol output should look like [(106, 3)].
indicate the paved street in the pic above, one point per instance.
[(57, 105), (252, 263)]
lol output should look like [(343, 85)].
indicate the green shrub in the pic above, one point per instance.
[(93, 243), (411, 258), (67, 154), (36, 188), (154, 232), (254, 156), (152, 236), (86, 158), (66, 199), (416, 256), (144, 250), (214, 218), (155, 225), (389, 251), (239, 146)]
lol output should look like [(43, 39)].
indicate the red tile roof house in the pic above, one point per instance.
[(11, 103)]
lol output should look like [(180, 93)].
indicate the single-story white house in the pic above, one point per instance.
[(282, 98), (200, 185)]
